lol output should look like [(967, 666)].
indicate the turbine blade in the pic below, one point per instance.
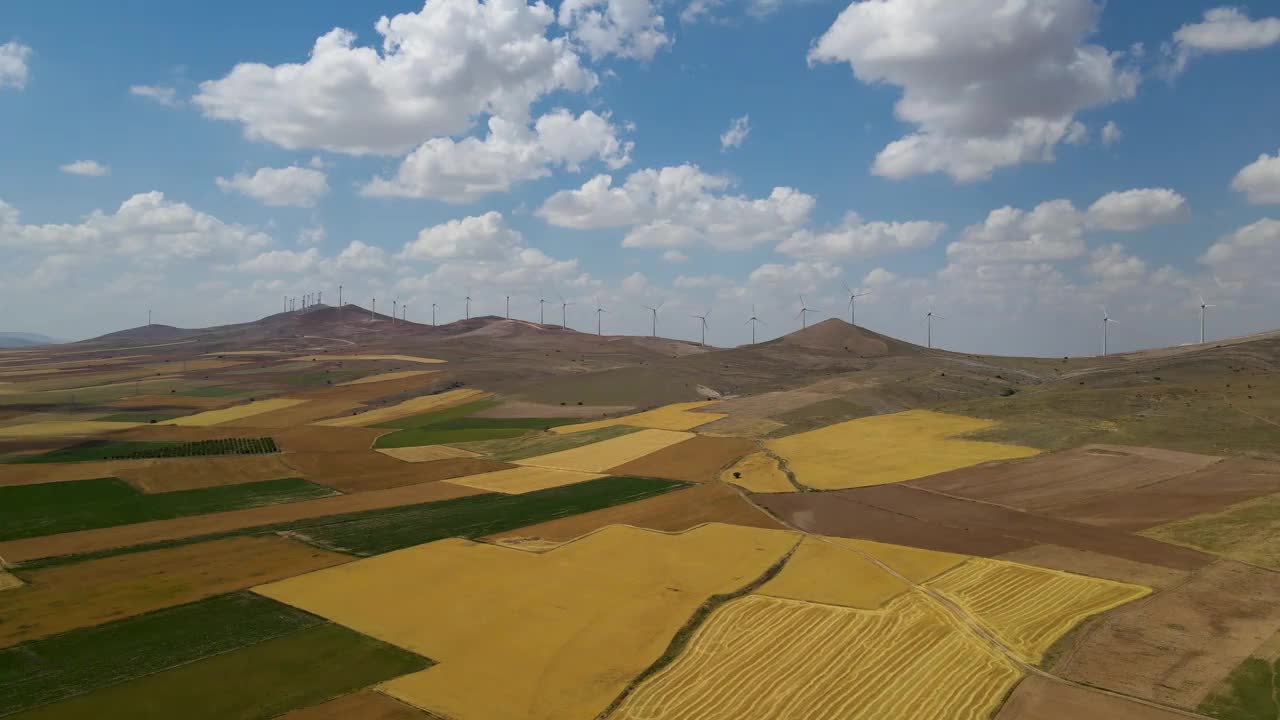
[(708, 312), (846, 287)]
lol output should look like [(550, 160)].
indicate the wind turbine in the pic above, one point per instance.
[(803, 314), (853, 302), (564, 312), (703, 318), (929, 316), (394, 310), (752, 322), (542, 302), (1106, 320), (468, 304), (433, 314), (654, 310), (508, 307), (373, 311), (1203, 305), (599, 310)]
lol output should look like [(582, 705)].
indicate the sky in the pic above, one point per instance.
[(1015, 166)]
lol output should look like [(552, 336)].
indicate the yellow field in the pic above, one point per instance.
[(1029, 608), (915, 564), (551, 636), (7, 581), (235, 412), (773, 659), (827, 573), (64, 428), (397, 358), (760, 474), (427, 453), (520, 480), (667, 417), (413, 406), (888, 449), (600, 456), (387, 376)]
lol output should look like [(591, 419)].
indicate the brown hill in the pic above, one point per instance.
[(839, 336)]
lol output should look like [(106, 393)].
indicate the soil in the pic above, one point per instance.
[(363, 705), (187, 473), (698, 459), (1177, 645), (519, 409), (671, 512), (299, 415), (357, 472), (1038, 698), (37, 473), (171, 401), (1108, 567)]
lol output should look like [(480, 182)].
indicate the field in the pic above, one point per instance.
[(1248, 532), (162, 476), (53, 508), (600, 456), (521, 480), (534, 444), (383, 377), (765, 657), (758, 473), (367, 470), (233, 413), (679, 416), (1038, 699), (8, 581), (65, 428), (427, 453), (698, 459), (557, 635), (133, 450), (887, 449), (367, 705), (1249, 692), (392, 358), (416, 406), (808, 576)]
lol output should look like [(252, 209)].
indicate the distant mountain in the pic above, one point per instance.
[(22, 339)]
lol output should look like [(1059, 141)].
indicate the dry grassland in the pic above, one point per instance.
[(775, 659), (678, 416), (385, 377), (233, 413), (520, 480), (192, 365), (167, 475), (395, 358), (888, 449), (413, 406), (827, 573), (735, 426), (759, 473), (600, 456), (426, 453), (89, 593), (8, 581), (64, 428), (1028, 608), (551, 636)]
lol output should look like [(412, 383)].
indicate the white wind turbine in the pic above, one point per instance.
[(599, 311), (1203, 305), (1106, 320), (928, 317), (853, 302), (804, 313), (564, 313), (752, 321), (542, 302), (433, 314), (468, 304), (654, 310), (703, 318)]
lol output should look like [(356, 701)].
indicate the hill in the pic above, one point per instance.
[(23, 339)]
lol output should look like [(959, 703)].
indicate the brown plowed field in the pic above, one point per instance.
[(363, 705), (1042, 483), (173, 401), (357, 472), (89, 593), (37, 473), (671, 512), (838, 514), (1208, 490), (1038, 698), (1035, 529), (84, 541), (1177, 645), (1108, 567), (299, 414), (698, 459), (187, 473)]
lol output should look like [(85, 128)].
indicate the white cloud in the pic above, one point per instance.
[(1260, 180), (85, 167), (361, 257), (1248, 256), (1053, 230), (687, 282), (312, 235), (356, 257), (484, 237), (147, 227), (1136, 209), (276, 262), (1111, 133), (799, 277), (280, 187), (626, 28), (988, 83), (737, 133), (674, 257), (161, 94), (435, 71), (679, 206), (1115, 267), (463, 171), (855, 239), (13, 65), (1223, 29)]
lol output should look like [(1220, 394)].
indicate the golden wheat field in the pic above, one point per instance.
[(768, 658), (427, 453), (8, 581), (412, 406), (520, 480), (887, 449), (63, 428), (550, 636), (600, 456), (679, 416), (1029, 608), (759, 473), (233, 413), (828, 573), (394, 358), (383, 377)]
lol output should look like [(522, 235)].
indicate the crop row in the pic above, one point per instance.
[(204, 448)]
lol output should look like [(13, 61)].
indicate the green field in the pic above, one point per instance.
[(534, 444), (456, 426), (252, 683), (73, 663), (1247, 531), (59, 507), (139, 450), (1248, 693)]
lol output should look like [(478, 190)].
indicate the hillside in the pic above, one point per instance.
[(24, 339)]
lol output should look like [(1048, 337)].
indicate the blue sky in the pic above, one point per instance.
[(203, 161)]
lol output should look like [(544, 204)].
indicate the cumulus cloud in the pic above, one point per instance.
[(278, 262), (855, 239), (1260, 180), (1223, 29), (1114, 266), (1136, 209), (463, 171), (674, 257), (160, 94), (626, 28), (90, 168), (279, 187), (13, 65), (737, 133), (357, 256), (435, 71), (312, 235), (485, 237), (988, 83), (1111, 133), (1248, 256), (679, 206)]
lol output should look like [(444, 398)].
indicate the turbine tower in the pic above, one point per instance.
[(468, 305), (599, 310), (508, 307), (853, 302), (752, 321), (339, 302), (286, 304), (542, 302), (1106, 320), (373, 310), (1203, 305), (804, 313), (654, 310), (703, 319), (564, 313), (929, 316), (404, 312), (394, 310), (320, 298), (433, 314)]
